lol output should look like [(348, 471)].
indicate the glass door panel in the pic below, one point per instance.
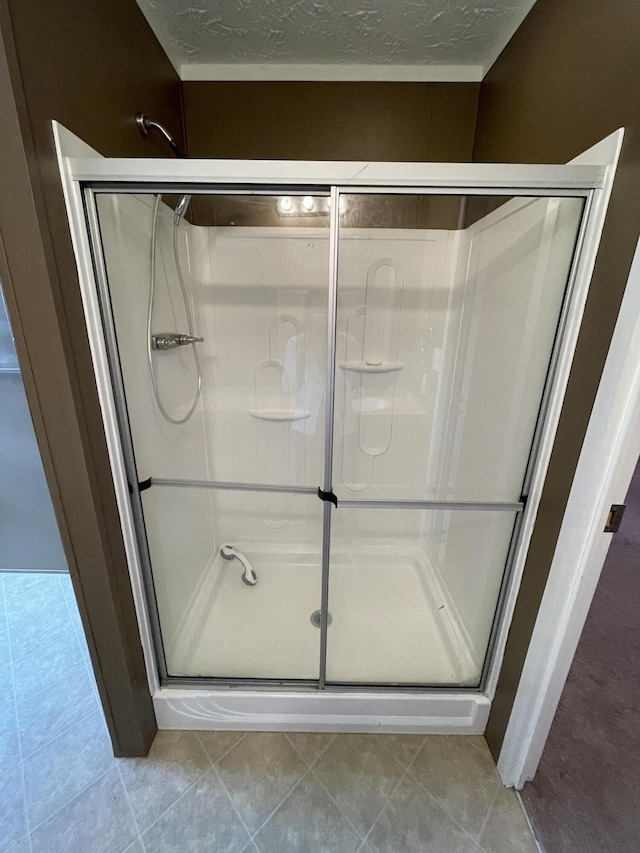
[(448, 309), (237, 405), (237, 578), (413, 594)]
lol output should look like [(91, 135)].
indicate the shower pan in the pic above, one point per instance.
[(335, 537)]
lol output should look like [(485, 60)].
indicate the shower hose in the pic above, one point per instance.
[(187, 309)]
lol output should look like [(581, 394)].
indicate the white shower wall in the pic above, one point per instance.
[(389, 424), (261, 300), (519, 258)]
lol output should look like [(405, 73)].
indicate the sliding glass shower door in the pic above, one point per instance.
[(228, 493), (448, 312), (332, 521)]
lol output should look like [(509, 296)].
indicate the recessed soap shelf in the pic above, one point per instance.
[(364, 367)]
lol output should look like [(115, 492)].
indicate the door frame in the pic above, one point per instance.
[(60, 403), (427, 711), (606, 464)]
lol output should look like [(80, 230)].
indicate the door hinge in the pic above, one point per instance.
[(614, 518)]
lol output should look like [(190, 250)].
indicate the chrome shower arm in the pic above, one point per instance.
[(145, 124)]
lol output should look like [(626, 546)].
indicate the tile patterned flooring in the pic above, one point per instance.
[(62, 791)]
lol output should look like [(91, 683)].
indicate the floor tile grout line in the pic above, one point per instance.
[(24, 572), (177, 800), (129, 803), (221, 780), (30, 829), (386, 803), (225, 753), (26, 809), (30, 598), (3, 597), (483, 748), (71, 672), (62, 586), (40, 649), (16, 622), (86, 658), (65, 731), (418, 751), (71, 800), (486, 817), (364, 836), (45, 609), (233, 805), (442, 805), (454, 820), (341, 811), (72, 613), (528, 820), (76, 795), (306, 773), (59, 734), (69, 610), (318, 756), (286, 796), (13, 681), (406, 766)]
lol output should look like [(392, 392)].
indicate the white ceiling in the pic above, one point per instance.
[(334, 39)]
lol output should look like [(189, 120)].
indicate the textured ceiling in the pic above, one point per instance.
[(333, 39)]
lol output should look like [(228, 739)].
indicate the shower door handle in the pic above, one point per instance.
[(172, 340)]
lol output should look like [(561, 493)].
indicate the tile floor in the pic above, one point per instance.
[(61, 790)]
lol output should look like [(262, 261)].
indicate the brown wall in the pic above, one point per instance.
[(334, 121), (331, 121), (568, 78), (91, 65)]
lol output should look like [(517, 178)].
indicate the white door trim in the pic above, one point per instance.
[(609, 454)]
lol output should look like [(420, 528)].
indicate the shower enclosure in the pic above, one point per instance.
[(333, 478)]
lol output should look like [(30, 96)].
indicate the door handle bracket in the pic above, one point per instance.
[(328, 496)]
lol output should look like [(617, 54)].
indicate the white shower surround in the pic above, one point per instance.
[(407, 712)]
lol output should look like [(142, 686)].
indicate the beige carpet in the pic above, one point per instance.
[(586, 795)]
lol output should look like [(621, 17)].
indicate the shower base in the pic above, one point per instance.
[(390, 621)]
